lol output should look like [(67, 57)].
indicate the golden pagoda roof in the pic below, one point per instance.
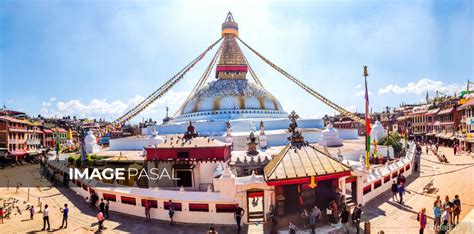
[(292, 163)]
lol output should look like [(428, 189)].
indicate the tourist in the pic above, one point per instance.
[(65, 212), (107, 204), (437, 202), (401, 191), (45, 217), (317, 212), (333, 208), (171, 210), (345, 219), (457, 209), (1, 214), (94, 199), (446, 215), (147, 210), (455, 149), (211, 231), (437, 215), (427, 149), (102, 206), (100, 219), (239, 212), (422, 220), (312, 220), (443, 228), (88, 202), (292, 227), (394, 190), (447, 203), (32, 212), (356, 215), (305, 217)]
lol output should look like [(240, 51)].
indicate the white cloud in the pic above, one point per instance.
[(360, 91), (52, 99), (421, 87), (101, 108)]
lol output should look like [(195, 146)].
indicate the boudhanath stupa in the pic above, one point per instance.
[(234, 99)]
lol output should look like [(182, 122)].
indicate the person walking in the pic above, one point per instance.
[(394, 191), (437, 202), (100, 220), (422, 220), (312, 220), (345, 219), (356, 215), (65, 212), (107, 204), (171, 211), (45, 217), (457, 209), (32, 211), (147, 210), (238, 213), (401, 192), (102, 206), (455, 148)]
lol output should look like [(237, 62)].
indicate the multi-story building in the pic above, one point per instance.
[(60, 134), (13, 136), (48, 138), (418, 120), (33, 138)]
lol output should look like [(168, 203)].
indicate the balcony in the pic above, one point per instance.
[(33, 142)]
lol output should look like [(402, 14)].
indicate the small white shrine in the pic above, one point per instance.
[(330, 137), (91, 143), (377, 131)]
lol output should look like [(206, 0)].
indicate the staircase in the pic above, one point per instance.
[(349, 201)]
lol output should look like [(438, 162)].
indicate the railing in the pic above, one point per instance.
[(382, 181), (190, 206)]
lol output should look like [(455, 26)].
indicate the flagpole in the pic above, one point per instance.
[(367, 121)]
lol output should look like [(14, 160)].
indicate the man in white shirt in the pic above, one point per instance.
[(45, 217)]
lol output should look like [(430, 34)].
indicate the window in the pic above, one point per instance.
[(377, 184), (128, 200), (109, 197), (177, 206), (225, 208), (199, 207), (153, 203), (367, 189)]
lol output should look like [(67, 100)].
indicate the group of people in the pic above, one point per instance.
[(446, 214), (64, 211), (398, 187), (103, 210), (335, 214)]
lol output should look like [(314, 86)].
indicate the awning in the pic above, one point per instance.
[(18, 152), (469, 103), (446, 111)]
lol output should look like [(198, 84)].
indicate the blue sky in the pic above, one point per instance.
[(98, 58)]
